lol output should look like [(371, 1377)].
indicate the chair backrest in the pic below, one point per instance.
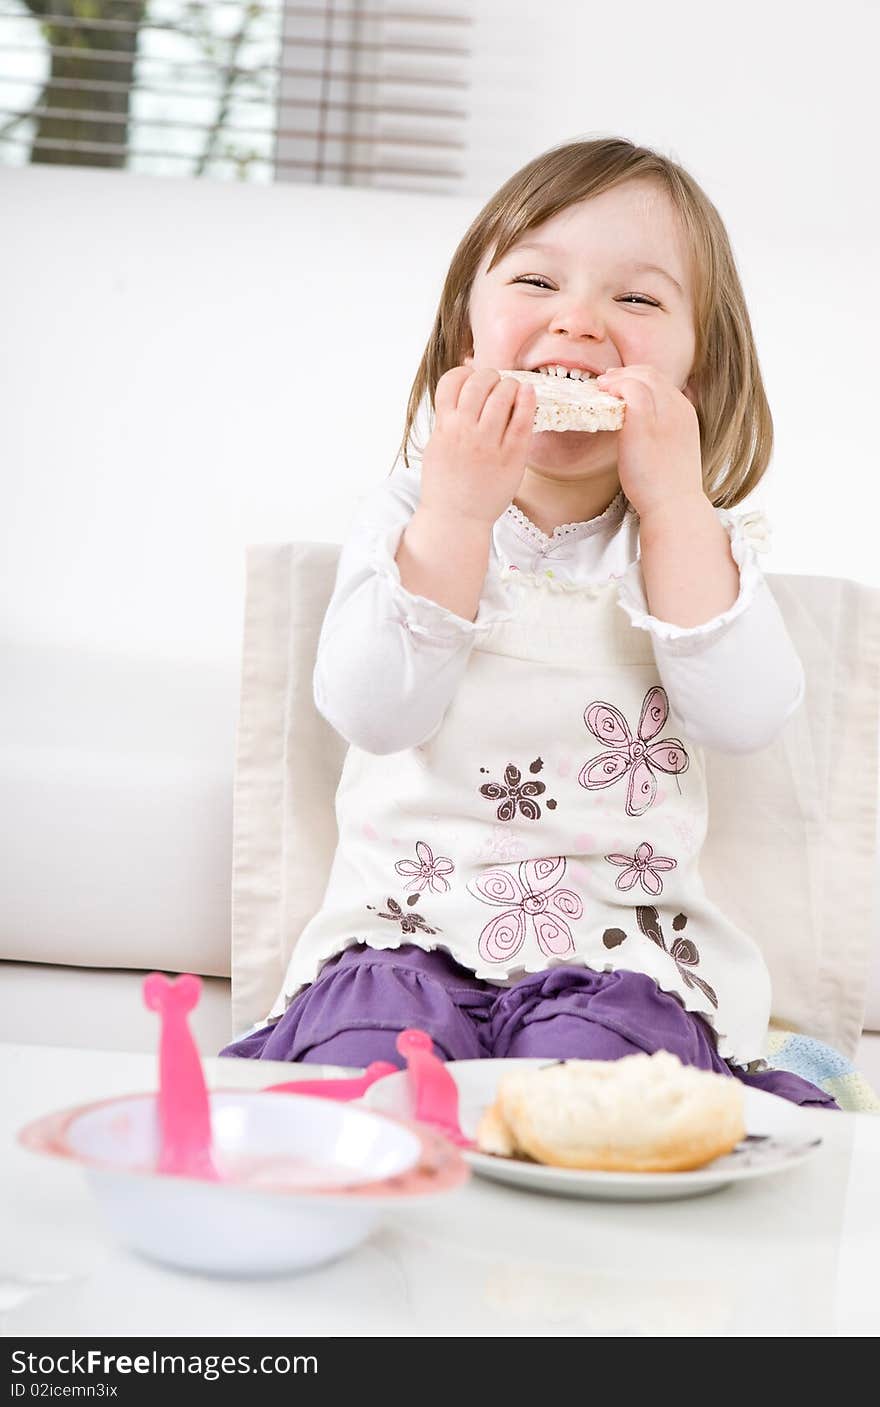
[(790, 850)]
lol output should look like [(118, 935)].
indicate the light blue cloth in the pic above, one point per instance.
[(822, 1065)]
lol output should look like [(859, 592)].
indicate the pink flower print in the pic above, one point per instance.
[(642, 866), (685, 832), (501, 847), (426, 870), (637, 756), (533, 895)]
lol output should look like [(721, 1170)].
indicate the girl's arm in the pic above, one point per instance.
[(690, 575), (445, 558), (389, 660), (407, 605), (473, 465), (721, 647), (733, 680)]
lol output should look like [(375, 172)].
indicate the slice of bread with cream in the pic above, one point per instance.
[(571, 402), (642, 1113)]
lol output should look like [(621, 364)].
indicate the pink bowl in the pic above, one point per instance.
[(302, 1179)]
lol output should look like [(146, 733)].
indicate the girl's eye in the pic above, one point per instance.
[(537, 281)]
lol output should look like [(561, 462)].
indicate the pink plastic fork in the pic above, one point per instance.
[(338, 1089), (184, 1111), (434, 1091)]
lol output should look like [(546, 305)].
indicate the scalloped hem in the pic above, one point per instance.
[(339, 946), (508, 978), (610, 517)]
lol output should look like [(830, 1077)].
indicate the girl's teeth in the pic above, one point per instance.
[(564, 371)]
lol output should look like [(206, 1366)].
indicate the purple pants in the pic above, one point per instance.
[(363, 998)]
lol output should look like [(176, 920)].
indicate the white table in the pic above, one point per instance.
[(788, 1256)]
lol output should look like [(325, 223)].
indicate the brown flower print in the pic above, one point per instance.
[(636, 756), (514, 793), (426, 870), (613, 937), (409, 920), (683, 952), (642, 867)]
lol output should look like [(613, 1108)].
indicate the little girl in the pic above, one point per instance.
[(530, 642)]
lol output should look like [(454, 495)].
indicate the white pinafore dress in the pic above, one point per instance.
[(556, 816)]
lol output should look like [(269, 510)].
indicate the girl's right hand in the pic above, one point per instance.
[(474, 461)]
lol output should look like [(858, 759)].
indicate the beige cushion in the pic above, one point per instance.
[(790, 850), (116, 809), (99, 1009)]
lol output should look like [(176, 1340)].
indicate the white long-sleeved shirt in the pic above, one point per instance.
[(389, 662)]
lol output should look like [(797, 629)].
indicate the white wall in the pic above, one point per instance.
[(166, 339), (773, 108), (192, 367)]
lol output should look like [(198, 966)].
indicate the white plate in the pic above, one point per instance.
[(776, 1140)]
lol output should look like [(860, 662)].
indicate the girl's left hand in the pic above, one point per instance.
[(658, 458)]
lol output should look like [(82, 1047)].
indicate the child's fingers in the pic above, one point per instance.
[(476, 392), (637, 391), (497, 409), (449, 388), (522, 416)]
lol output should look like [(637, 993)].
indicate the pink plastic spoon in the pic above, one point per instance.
[(184, 1111), (434, 1091), (338, 1089)]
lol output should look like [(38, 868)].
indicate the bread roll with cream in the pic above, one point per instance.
[(565, 403), (642, 1113)]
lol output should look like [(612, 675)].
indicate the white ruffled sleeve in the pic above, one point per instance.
[(733, 680), (423, 617), (749, 533), (389, 662)]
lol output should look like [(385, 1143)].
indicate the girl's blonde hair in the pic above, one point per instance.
[(736, 428)]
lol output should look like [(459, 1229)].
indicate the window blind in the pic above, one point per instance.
[(364, 92)]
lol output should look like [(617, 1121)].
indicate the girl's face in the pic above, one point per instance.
[(577, 290)]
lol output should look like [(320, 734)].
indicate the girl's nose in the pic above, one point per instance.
[(578, 318)]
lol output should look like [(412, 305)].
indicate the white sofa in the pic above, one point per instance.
[(117, 812), (149, 434), (143, 467)]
